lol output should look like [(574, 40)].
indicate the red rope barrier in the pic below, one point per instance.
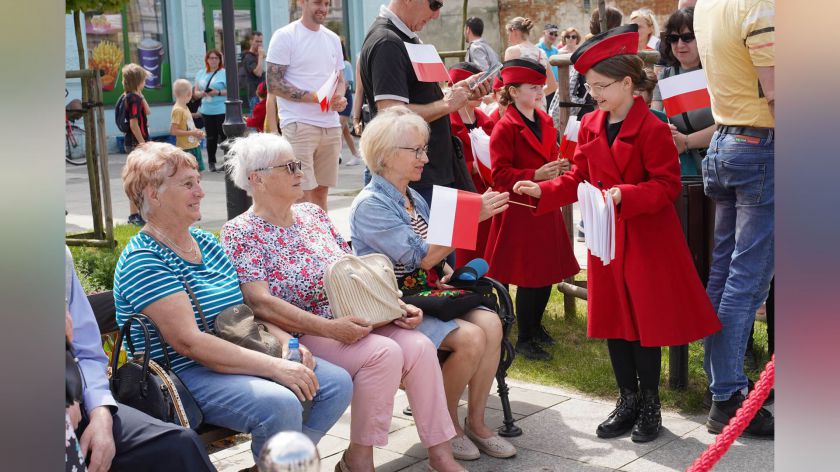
[(739, 422)]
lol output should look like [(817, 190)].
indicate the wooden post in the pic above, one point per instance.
[(107, 210), (602, 14), (464, 23)]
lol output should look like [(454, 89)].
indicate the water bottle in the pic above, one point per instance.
[(294, 356), (294, 351), (289, 451)]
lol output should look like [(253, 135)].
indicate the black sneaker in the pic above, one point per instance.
[(136, 219), (649, 421), (532, 350), (213, 167), (761, 426), (544, 338), (622, 419), (707, 398)]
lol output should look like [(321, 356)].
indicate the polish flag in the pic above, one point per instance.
[(685, 92), (427, 63), (568, 142), (481, 155), (453, 221), (326, 92)]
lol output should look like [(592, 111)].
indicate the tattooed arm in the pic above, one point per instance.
[(275, 78)]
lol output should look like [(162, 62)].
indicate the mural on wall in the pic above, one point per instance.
[(136, 34)]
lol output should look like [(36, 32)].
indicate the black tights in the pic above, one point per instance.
[(530, 306), (631, 361), (215, 135)]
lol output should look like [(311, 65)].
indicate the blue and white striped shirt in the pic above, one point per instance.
[(148, 271)]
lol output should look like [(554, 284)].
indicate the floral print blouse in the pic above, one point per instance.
[(292, 260)]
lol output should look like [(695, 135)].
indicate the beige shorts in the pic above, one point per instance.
[(318, 149)]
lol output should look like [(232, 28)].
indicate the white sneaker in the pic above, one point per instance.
[(353, 161)]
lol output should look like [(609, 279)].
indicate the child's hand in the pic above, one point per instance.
[(615, 193), (526, 187), (548, 171), (198, 133)]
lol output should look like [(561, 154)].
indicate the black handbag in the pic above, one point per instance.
[(448, 304), (143, 384)]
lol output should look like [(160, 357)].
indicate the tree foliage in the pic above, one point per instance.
[(106, 6)]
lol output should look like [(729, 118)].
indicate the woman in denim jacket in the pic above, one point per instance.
[(391, 218)]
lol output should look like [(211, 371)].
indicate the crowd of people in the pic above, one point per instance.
[(274, 257)]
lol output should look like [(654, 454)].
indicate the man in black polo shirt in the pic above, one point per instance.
[(389, 79)]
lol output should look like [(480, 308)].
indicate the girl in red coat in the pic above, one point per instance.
[(650, 295), (531, 252), (461, 122)]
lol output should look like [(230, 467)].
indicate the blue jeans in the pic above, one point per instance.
[(739, 176), (263, 408)]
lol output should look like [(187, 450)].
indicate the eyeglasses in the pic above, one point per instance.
[(552, 34), (435, 5), (673, 38), (417, 151), (598, 88), (570, 36), (291, 167)]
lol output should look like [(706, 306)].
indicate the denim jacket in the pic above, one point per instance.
[(380, 224)]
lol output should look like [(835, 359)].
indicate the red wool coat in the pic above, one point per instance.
[(651, 291), (525, 249), (459, 129)]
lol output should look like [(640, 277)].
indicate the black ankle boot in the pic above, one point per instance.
[(544, 338), (761, 426), (530, 349), (621, 419), (650, 418)]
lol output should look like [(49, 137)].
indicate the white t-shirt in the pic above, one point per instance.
[(312, 56)]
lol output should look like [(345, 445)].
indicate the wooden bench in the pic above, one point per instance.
[(105, 312)]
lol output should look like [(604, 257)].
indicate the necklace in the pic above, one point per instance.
[(190, 254)]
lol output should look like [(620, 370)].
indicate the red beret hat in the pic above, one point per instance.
[(614, 42), (461, 71), (498, 83), (523, 71)]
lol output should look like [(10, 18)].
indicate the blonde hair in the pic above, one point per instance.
[(521, 24), (568, 31), (649, 17), (385, 132), (181, 87), (253, 152), (149, 165), (133, 77)]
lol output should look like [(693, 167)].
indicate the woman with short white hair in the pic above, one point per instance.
[(391, 218), (235, 387), (281, 250)]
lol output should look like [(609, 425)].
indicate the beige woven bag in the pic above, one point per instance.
[(365, 287)]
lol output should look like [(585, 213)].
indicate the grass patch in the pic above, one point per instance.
[(584, 364)]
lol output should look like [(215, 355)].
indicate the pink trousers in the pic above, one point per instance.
[(378, 363)]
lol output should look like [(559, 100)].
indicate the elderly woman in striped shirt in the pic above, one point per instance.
[(236, 388)]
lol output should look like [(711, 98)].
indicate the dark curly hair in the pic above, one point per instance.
[(682, 18)]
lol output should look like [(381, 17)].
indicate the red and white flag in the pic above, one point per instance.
[(427, 63), (568, 143), (454, 216), (685, 92), (481, 154), (326, 92)]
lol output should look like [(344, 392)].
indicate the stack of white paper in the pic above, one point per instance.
[(598, 213)]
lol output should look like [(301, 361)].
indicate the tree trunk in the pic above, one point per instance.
[(77, 24), (464, 23)]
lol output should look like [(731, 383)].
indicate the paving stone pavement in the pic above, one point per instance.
[(558, 435)]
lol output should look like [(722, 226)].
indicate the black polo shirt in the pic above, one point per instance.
[(387, 73)]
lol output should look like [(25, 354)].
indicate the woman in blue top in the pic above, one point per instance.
[(211, 88), (236, 388)]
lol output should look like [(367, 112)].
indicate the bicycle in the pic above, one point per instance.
[(74, 135)]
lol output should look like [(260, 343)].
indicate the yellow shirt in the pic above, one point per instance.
[(734, 37), (182, 119)]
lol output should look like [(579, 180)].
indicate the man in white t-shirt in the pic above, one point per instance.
[(302, 56)]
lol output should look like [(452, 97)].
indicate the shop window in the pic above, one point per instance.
[(136, 34)]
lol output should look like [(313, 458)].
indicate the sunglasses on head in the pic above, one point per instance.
[(673, 38), (435, 5)]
